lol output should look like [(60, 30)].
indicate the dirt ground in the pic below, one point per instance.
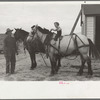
[(67, 72)]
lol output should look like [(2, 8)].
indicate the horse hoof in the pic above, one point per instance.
[(79, 74), (90, 73), (31, 68), (89, 76), (56, 72), (51, 75)]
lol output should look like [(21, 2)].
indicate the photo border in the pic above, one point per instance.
[(46, 1)]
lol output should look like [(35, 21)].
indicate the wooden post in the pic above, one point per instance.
[(76, 22)]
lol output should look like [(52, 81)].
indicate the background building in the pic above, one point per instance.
[(90, 22)]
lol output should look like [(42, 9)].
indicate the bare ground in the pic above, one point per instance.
[(67, 72)]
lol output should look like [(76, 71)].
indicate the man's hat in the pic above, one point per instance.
[(8, 30)]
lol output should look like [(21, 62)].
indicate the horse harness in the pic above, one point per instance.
[(76, 44), (75, 41), (50, 37)]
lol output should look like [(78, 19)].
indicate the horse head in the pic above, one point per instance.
[(20, 34), (34, 28), (38, 29)]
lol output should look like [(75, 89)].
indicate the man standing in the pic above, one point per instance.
[(10, 50)]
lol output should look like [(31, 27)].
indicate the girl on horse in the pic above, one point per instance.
[(58, 29)]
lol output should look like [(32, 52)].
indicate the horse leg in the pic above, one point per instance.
[(33, 61), (52, 68), (53, 61), (90, 72), (88, 60), (58, 63), (82, 66), (31, 57)]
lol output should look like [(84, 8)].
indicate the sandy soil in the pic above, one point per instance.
[(67, 72)]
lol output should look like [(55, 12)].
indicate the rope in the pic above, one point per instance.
[(64, 54), (68, 47), (66, 50), (69, 43), (76, 45), (73, 58), (43, 59), (79, 38)]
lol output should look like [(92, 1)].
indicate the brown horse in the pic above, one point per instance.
[(67, 45), (32, 44)]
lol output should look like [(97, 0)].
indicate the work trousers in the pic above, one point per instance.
[(10, 61)]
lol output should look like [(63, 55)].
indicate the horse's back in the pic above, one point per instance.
[(79, 38), (68, 42), (83, 39)]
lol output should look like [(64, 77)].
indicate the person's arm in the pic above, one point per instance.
[(4, 43), (53, 30), (59, 29), (16, 46)]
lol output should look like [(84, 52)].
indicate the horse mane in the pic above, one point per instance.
[(25, 32), (44, 30)]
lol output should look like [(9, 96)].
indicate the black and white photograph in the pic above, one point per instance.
[(49, 41)]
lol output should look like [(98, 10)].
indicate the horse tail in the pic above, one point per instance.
[(93, 52)]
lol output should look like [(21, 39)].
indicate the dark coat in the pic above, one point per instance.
[(9, 45), (9, 51)]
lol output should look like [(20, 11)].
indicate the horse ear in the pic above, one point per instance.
[(15, 28), (36, 25)]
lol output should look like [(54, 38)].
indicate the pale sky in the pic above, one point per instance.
[(25, 14)]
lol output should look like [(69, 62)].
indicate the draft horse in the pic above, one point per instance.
[(67, 45), (30, 43)]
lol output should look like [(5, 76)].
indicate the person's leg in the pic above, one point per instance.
[(13, 61), (7, 63), (57, 36)]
